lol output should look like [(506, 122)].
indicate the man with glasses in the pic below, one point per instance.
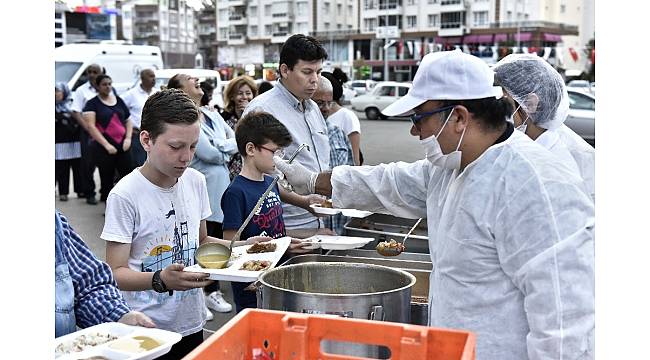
[(511, 229), (84, 93)]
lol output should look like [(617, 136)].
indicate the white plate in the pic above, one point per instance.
[(355, 213), (336, 242), (123, 332), (324, 210), (239, 257)]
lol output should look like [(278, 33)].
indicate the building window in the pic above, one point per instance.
[(252, 11), (267, 30), (253, 30), (369, 24), (267, 10), (562, 9), (410, 2), (432, 1), (301, 8), (339, 9), (411, 22), (369, 4), (326, 8), (480, 18), (509, 15), (433, 20), (451, 20)]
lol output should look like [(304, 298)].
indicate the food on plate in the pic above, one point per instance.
[(390, 248), (326, 204), (82, 342), (262, 248), (255, 265), (135, 344), (212, 261)]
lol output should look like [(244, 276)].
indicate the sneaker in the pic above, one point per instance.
[(63, 197), (208, 314), (216, 302), (91, 201)]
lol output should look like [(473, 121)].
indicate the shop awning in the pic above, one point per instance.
[(500, 37), (470, 39), (524, 36), (485, 38), (552, 37), (447, 40)]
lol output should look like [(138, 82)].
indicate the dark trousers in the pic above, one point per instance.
[(109, 165), (183, 347), (62, 172), (138, 155), (87, 166), (215, 229)]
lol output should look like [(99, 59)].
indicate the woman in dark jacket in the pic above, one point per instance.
[(67, 151)]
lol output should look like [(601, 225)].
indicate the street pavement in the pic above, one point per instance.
[(381, 141)]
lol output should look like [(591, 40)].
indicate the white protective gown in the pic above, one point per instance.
[(583, 154), (512, 245)]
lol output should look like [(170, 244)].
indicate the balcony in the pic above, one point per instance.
[(451, 29), (236, 39), (279, 37), (236, 2), (237, 19)]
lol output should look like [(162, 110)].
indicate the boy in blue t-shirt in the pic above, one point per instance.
[(259, 136)]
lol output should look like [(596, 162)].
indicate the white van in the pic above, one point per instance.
[(212, 76), (122, 62)]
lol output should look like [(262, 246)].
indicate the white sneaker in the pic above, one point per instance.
[(208, 314), (216, 302)]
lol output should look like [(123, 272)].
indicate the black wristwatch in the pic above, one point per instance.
[(158, 284)]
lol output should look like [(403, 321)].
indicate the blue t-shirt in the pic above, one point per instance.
[(240, 198)]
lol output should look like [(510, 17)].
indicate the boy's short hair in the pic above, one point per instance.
[(169, 106), (259, 127), (301, 47)]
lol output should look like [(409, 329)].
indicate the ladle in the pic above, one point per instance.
[(383, 248)]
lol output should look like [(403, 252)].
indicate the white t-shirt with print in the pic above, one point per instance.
[(162, 226), (346, 120)]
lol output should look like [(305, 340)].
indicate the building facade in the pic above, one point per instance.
[(169, 24), (207, 35)]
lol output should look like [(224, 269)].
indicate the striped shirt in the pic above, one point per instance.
[(97, 298)]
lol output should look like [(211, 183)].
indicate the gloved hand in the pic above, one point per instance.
[(302, 180)]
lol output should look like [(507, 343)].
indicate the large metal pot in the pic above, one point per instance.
[(363, 291)]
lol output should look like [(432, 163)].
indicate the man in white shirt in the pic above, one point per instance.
[(81, 95), (134, 99)]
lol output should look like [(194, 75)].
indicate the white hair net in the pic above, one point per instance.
[(536, 86)]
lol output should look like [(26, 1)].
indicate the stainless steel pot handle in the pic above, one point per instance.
[(258, 293), (376, 313)]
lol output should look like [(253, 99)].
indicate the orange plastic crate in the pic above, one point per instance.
[(293, 336)]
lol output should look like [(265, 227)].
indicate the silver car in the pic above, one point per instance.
[(582, 115), (382, 95)]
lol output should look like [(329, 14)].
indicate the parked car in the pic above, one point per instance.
[(348, 94), (382, 95), (582, 85), (582, 114), (361, 87)]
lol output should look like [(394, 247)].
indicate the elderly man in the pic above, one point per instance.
[(301, 61), (511, 229), (134, 100)]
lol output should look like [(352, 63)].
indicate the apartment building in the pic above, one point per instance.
[(250, 32), (169, 24)]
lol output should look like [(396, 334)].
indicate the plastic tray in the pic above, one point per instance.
[(240, 256), (336, 242), (293, 336), (122, 331)]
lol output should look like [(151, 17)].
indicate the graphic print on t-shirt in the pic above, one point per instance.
[(267, 216), (173, 248)]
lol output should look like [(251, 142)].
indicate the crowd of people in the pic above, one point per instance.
[(506, 188)]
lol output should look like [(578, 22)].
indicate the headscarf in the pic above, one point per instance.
[(63, 106)]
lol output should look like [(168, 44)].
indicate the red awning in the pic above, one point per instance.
[(470, 39), (552, 37), (485, 38), (524, 36), (500, 37), (447, 40)]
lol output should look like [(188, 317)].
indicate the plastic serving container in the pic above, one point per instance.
[(256, 334)]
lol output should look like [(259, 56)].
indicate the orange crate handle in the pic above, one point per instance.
[(302, 334)]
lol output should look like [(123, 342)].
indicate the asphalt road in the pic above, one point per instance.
[(381, 141)]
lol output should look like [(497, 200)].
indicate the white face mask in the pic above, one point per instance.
[(434, 153), (523, 125)]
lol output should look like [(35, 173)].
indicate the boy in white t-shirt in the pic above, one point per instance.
[(155, 220)]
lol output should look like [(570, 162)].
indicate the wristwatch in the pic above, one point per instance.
[(158, 284)]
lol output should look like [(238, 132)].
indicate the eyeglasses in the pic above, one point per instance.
[(416, 118), (277, 152)]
